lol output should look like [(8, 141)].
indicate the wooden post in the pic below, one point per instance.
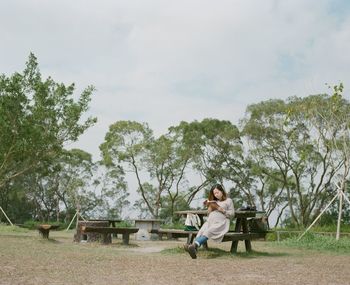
[(340, 213), (335, 196), (71, 221), (6, 216)]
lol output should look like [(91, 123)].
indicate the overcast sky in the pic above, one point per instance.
[(162, 62)]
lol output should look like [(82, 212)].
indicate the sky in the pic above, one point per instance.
[(163, 62)]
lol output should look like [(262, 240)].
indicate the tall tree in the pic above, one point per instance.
[(37, 117), (214, 150), (329, 116), (287, 144), (126, 145)]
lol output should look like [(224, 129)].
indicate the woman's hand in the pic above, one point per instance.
[(222, 210)]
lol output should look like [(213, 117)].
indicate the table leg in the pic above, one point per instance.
[(238, 227), (190, 238), (112, 223), (248, 244), (45, 233), (126, 238)]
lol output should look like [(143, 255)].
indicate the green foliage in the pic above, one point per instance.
[(36, 118), (296, 150), (125, 224)]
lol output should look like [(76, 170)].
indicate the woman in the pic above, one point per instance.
[(220, 209)]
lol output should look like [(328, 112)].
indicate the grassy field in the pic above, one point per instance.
[(26, 258)]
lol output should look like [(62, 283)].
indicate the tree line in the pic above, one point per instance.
[(288, 156)]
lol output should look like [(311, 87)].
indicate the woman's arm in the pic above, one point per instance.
[(229, 210)]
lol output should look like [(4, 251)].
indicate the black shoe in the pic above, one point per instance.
[(192, 250)]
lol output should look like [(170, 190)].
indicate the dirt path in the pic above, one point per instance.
[(30, 260)]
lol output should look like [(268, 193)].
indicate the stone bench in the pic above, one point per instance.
[(146, 228), (44, 229), (107, 231)]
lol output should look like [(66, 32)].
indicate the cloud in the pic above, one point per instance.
[(162, 62)]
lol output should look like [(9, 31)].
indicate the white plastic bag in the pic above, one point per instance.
[(193, 220)]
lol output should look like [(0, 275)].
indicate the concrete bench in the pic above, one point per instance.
[(44, 229), (107, 231), (146, 227)]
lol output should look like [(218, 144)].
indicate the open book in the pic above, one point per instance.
[(211, 204)]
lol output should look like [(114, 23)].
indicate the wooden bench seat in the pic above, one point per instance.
[(106, 231), (176, 233), (234, 237), (44, 229)]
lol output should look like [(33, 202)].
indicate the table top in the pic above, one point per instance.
[(198, 212), (205, 212), (149, 220), (105, 220)]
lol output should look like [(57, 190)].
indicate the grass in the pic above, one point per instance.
[(313, 241), (12, 229)]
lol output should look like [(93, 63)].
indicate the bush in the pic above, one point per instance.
[(125, 224)]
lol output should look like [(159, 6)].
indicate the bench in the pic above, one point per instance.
[(176, 233), (44, 229), (106, 231), (234, 237)]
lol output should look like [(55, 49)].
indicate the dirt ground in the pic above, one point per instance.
[(26, 258)]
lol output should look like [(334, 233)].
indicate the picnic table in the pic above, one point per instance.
[(111, 222), (147, 227), (106, 231), (241, 231)]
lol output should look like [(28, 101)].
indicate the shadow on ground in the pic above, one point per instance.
[(219, 253)]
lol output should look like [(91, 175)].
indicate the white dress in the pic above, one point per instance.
[(218, 224)]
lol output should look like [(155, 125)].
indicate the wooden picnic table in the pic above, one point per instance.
[(111, 222), (106, 231), (241, 231)]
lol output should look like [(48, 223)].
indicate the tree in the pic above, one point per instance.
[(112, 187), (329, 115), (37, 118), (280, 133), (61, 186), (126, 145), (214, 151)]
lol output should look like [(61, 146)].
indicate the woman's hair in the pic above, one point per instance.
[(219, 187)]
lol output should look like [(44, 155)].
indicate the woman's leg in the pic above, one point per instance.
[(200, 240), (192, 248)]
